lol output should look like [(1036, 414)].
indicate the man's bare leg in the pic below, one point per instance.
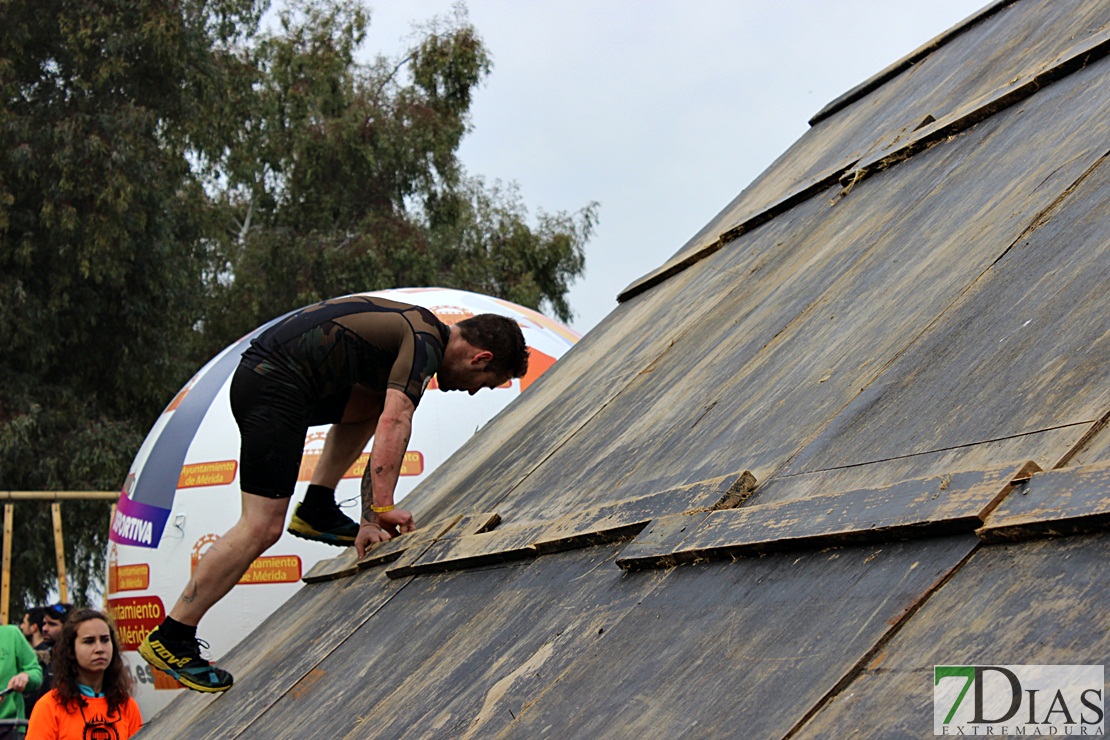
[(259, 526), (344, 443), (173, 646), (318, 517), (347, 439)]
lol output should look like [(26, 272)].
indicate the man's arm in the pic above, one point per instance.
[(379, 480), (29, 676)]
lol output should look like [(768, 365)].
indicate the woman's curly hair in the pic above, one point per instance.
[(117, 681)]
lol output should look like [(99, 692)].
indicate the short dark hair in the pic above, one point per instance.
[(501, 336), (58, 612), (36, 615)]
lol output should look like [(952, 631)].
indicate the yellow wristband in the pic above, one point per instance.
[(381, 509)]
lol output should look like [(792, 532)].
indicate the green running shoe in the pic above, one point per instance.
[(327, 524), (182, 660)]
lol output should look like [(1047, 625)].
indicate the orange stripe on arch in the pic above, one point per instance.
[(538, 363), (564, 331)]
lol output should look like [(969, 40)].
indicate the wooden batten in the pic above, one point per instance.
[(1056, 502), (937, 505)]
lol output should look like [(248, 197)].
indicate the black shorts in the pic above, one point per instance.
[(273, 417)]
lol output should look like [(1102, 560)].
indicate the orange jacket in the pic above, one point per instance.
[(51, 721)]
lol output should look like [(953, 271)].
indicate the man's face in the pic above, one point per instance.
[(52, 628), (468, 375), (26, 627)]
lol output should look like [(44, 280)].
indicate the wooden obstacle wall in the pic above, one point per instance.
[(856, 427)]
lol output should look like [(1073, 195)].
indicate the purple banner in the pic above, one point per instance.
[(138, 524)]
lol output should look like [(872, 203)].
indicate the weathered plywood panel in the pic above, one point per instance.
[(1054, 503), (563, 401), (737, 649), (275, 657), (457, 655), (1042, 602), (837, 294), (1026, 348)]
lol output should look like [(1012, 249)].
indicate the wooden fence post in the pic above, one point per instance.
[(59, 550), (6, 588)]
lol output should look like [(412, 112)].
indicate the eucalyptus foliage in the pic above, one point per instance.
[(174, 174)]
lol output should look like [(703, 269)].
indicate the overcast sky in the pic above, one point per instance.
[(662, 111)]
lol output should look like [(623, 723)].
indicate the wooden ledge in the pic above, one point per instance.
[(610, 522), (347, 564), (1056, 502), (942, 504)]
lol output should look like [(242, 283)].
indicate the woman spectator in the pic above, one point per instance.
[(92, 688)]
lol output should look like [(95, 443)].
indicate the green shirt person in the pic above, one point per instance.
[(19, 671)]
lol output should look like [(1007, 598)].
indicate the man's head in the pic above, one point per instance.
[(31, 625), (484, 351), (53, 620)]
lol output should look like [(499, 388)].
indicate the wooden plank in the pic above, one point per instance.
[(1067, 62), (1034, 603), (942, 504), (610, 522), (470, 524), (655, 546), (388, 552), (502, 545), (594, 527), (6, 584), (343, 565), (59, 495), (625, 519), (983, 456), (597, 525), (59, 550), (1056, 502), (347, 563)]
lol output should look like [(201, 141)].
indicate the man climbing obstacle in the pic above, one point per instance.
[(360, 363)]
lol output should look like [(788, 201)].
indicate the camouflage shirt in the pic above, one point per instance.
[(330, 346)]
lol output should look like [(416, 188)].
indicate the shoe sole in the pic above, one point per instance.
[(302, 529), (184, 679)]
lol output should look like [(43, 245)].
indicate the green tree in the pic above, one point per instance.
[(101, 262), (171, 177), (346, 179)]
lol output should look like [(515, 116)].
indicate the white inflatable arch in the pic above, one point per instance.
[(182, 489)]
